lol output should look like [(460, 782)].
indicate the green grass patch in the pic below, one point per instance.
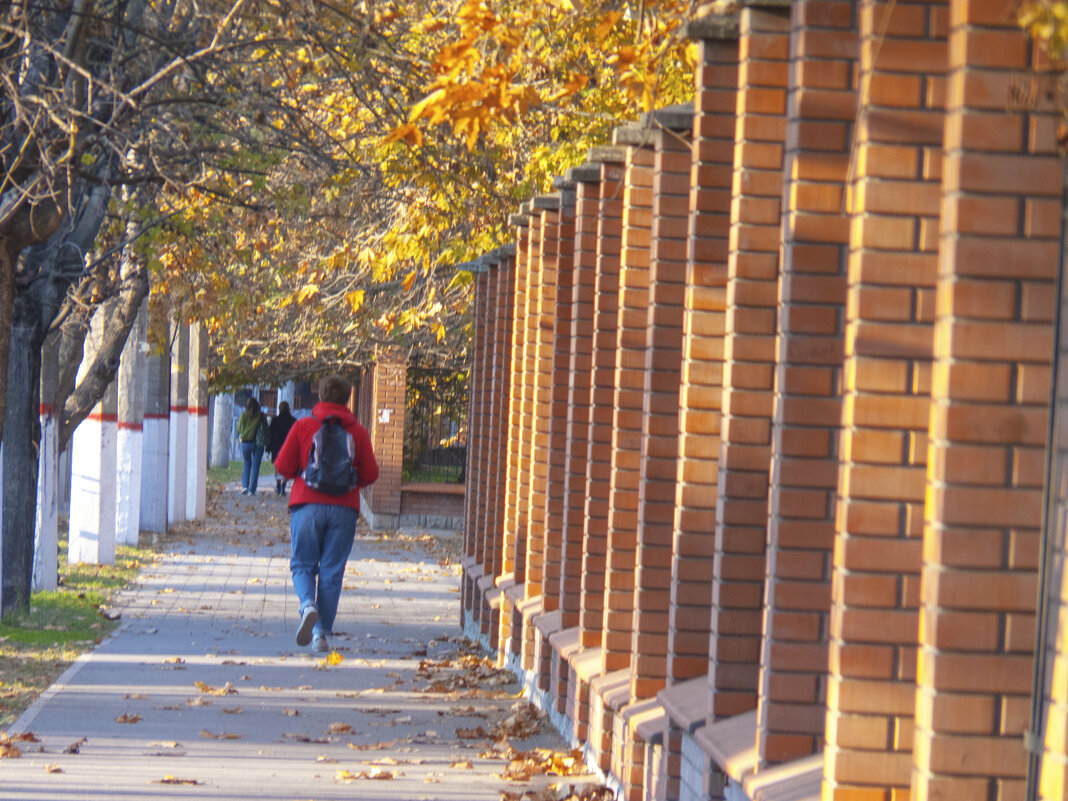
[(230, 474)]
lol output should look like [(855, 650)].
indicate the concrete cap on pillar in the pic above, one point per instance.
[(584, 173), (675, 118), (550, 202), (714, 26), (519, 220), (607, 154), (563, 182), (507, 251), (633, 135)]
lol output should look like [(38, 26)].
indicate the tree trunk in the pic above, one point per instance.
[(21, 440)]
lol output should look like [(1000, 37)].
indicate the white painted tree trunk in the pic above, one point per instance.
[(155, 435), (130, 446), (93, 465), (178, 441), (45, 536), (197, 456)]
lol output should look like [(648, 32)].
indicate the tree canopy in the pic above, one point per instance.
[(420, 127)]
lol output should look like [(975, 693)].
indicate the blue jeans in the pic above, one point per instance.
[(322, 536), (252, 454)]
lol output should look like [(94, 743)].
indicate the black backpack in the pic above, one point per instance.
[(330, 469)]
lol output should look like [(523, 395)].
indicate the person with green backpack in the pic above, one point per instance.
[(254, 433)]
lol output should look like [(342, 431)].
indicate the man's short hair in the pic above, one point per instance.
[(335, 389)]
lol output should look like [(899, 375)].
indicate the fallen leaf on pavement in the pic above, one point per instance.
[(220, 736), (233, 710), (207, 689), (75, 747), (176, 780), (126, 717), (339, 728), (53, 768)]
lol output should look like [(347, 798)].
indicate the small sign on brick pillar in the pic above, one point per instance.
[(388, 383), (93, 460)]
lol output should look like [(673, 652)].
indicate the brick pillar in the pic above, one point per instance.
[(629, 398), (178, 430), (593, 611), (558, 486), (996, 298), (893, 264), (474, 470), (537, 360), (388, 388), (492, 567), (749, 359), (514, 560), (701, 387), (550, 411), (602, 394), (488, 459), (808, 409), (701, 390), (662, 375), (587, 179), (197, 448)]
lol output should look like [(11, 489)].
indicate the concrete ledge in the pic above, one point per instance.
[(548, 623), (633, 135), (647, 719), (550, 202), (431, 488), (800, 780), (686, 703), (380, 522), (732, 744), (444, 522), (565, 642), (675, 118), (468, 564), (587, 663)]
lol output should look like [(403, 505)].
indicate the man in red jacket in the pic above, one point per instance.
[(322, 526)]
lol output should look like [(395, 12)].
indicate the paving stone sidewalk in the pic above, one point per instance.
[(203, 682)]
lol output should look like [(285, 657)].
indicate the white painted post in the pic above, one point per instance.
[(130, 445), (220, 433), (93, 463), (197, 457), (155, 434), (45, 535), (179, 428)]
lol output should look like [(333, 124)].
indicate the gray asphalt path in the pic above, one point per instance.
[(202, 692)]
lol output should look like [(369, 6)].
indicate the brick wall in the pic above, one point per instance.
[(792, 394)]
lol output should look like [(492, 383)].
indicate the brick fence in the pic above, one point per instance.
[(760, 414)]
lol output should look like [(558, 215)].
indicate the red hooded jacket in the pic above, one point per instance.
[(293, 457)]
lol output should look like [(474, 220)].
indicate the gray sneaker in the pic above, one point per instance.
[(319, 644), (308, 618)]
